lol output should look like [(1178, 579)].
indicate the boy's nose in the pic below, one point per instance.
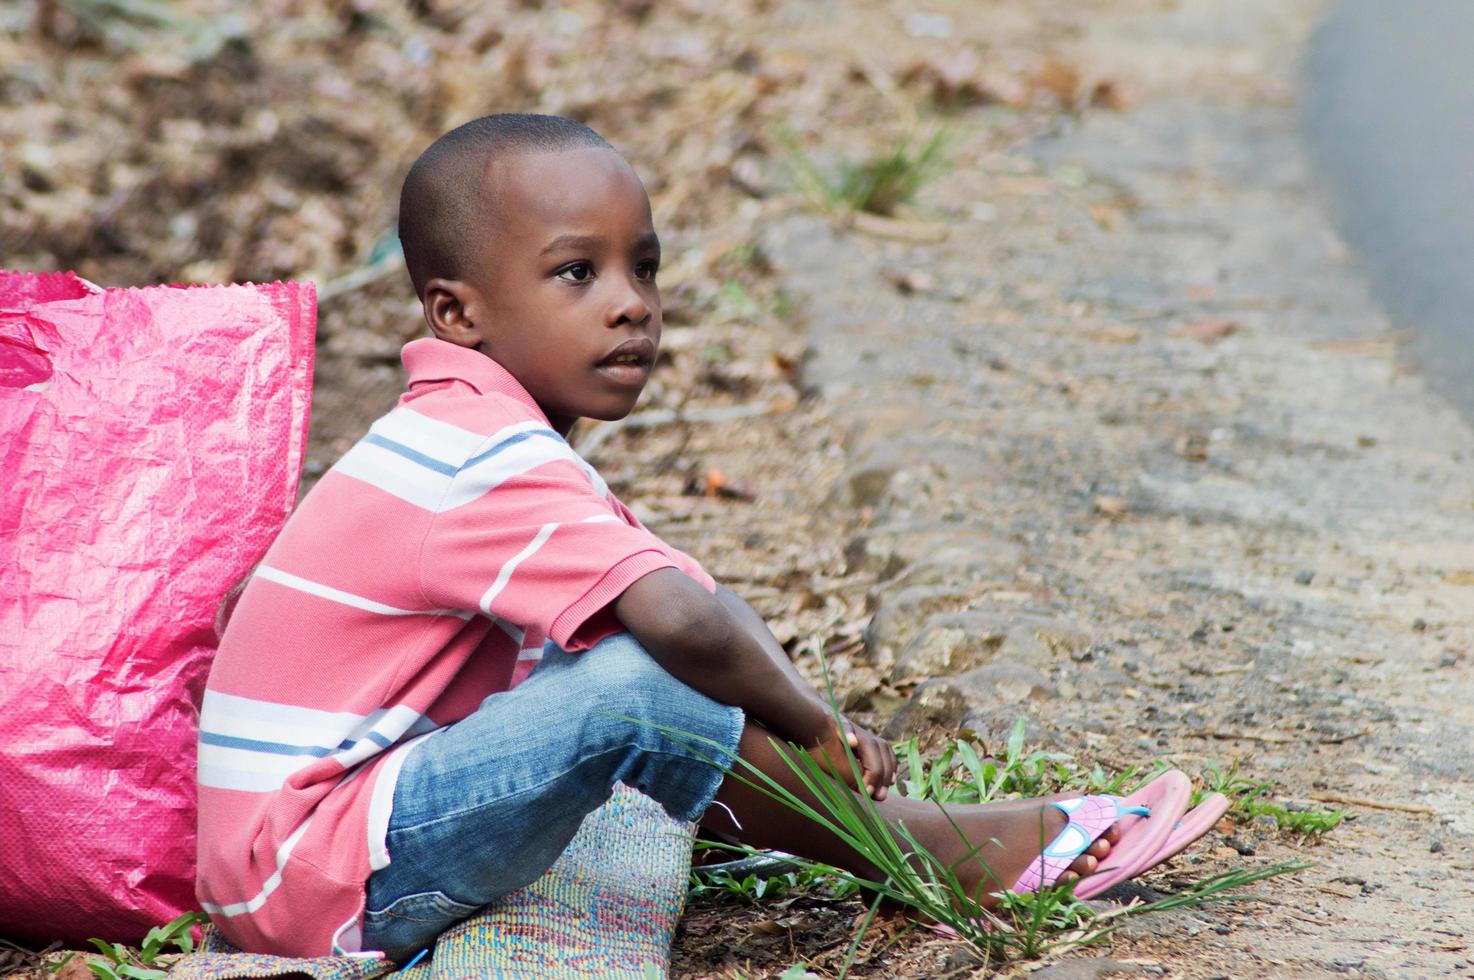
[(629, 307)]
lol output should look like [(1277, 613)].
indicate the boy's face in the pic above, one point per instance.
[(562, 293)]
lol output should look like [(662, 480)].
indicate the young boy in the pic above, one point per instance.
[(426, 685)]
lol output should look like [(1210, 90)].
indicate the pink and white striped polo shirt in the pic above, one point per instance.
[(420, 575)]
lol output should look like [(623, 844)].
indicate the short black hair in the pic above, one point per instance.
[(443, 199)]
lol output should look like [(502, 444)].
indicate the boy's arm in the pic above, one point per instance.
[(721, 647), (702, 642), (749, 620)]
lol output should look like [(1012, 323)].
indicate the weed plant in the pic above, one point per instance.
[(118, 962), (878, 185), (959, 775), (1249, 801), (723, 886)]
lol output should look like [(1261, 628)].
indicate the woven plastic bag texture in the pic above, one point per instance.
[(150, 446)]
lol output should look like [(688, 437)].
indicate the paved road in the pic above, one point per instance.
[(1389, 112)]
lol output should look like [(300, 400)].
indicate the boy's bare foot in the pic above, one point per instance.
[(1008, 837)]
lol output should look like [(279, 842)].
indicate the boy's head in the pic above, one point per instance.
[(530, 239)]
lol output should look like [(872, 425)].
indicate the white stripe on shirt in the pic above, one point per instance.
[(348, 598)]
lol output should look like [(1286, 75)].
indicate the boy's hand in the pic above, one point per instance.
[(875, 756)]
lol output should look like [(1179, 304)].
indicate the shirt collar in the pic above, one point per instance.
[(433, 359)]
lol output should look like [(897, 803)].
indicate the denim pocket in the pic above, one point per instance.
[(424, 907)]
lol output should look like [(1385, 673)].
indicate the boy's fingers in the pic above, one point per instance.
[(873, 760)]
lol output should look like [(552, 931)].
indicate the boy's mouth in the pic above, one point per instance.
[(630, 362)]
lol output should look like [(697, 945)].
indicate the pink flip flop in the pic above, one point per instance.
[(1142, 837), (1194, 824), (1086, 818)]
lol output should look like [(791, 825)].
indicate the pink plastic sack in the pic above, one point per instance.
[(150, 446)]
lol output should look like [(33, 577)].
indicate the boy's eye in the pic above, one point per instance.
[(646, 270), (577, 272)]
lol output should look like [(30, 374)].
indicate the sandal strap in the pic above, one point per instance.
[(1087, 817)]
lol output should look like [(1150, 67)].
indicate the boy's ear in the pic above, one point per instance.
[(450, 305)]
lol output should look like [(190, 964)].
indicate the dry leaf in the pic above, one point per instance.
[(1385, 346), (1109, 94), (1060, 79), (75, 969), (1116, 333), (1105, 215), (963, 78), (1192, 446), (1208, 330), (922, 232)]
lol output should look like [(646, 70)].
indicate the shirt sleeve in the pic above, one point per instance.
[(535, 542), (683, 561)]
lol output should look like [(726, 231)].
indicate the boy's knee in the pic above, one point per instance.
[(631, 684), (627, 674)]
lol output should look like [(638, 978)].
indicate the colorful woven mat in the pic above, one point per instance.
[(606, 909)]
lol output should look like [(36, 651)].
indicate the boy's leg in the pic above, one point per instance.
[(485, 806), (996, 844)]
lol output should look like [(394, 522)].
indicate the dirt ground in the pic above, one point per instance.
[(1112, 392)]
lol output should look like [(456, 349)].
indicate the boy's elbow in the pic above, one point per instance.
[(670, 613), (699, 626)]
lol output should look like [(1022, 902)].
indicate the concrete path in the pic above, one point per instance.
[(1136, 455)]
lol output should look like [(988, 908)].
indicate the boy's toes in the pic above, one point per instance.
[(1099, 848), (1084, 864)]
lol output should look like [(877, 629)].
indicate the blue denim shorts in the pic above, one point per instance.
[(485, 806)]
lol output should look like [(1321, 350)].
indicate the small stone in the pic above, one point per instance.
[(1006, 683), (1435, 846), (1420, 624), (1350, 962), (1448, 660), (961, 958), (1112, 507), (1304, 577), (1223, 930), (1243, 846), (922, 24), (916, 281)]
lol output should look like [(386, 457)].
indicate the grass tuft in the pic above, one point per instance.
[(878, 185)]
